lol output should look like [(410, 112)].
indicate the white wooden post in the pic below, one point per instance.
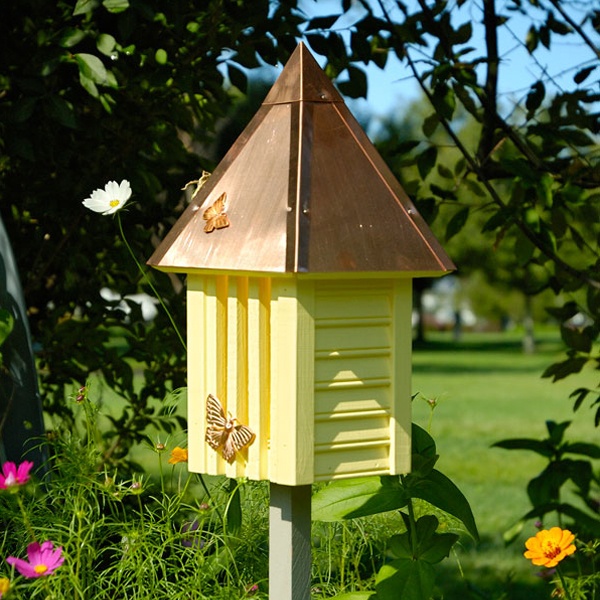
[(289, 542)]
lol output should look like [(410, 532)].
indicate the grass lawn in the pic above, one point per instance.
[(488, 390)]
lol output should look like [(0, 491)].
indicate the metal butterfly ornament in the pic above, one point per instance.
[(222, 433), (216, 214)]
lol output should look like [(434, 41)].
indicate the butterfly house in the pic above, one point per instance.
[(300, 250)]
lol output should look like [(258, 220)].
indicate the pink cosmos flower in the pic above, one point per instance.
[(13, 476), (43, 560)]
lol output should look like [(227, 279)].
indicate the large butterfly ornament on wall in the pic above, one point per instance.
[(222, 433), (216, 214)]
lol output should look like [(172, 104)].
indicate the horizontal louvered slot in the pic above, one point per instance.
[(344, 398), (352, 461), (359, 430)]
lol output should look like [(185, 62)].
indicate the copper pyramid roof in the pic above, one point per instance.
[(306, 192)]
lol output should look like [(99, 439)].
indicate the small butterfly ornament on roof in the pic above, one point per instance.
[(216, 214), (222, 433)]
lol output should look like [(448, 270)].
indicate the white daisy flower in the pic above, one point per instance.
[(109, 200)]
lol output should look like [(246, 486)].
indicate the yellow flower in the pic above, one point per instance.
[(4, 585), (178, 455), (548, 547)]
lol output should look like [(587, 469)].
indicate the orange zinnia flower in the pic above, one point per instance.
[(548, 547), (178, 455)]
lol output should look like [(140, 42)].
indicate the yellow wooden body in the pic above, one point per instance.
[(319, 368)]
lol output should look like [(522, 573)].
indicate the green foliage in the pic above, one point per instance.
[(126, 537), (569, 474), (422, 545), (545, 489), (92, 91)]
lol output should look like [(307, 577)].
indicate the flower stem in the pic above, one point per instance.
[(149, 282), (26, 520), (564, 584)]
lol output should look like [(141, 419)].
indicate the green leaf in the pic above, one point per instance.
[(544, 190), (463, 34), (426, 161), (356, 86), (61, 111), (6, 325), (400, 545), (580, 394), (563, 369), (437, 547), (556, 431), (106, 44), (88, 85), (539, 447), (318, 43), (85, 6), (405, 578), (161, 56), (532, 39), (444, 101), (444, 172), (360, 497), (115, 6), (91, 67), (422, 443), (424, 453), (71, 37), (499, 219), (534, 98), (442, 193), (457, 222), (430, 124), (583, 74), (439, 490), (580, 339), (583, 449), (233, 510)]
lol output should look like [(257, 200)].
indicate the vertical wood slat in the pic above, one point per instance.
[(400, 428), (292, 370), (196, 366), (235, 356), (259, 374)]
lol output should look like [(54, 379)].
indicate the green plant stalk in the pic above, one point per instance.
[(26, 520), (160, 474), (149, 282), (413, 523), (139, 500), (563, 583), (342, 560), (77, 567)]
